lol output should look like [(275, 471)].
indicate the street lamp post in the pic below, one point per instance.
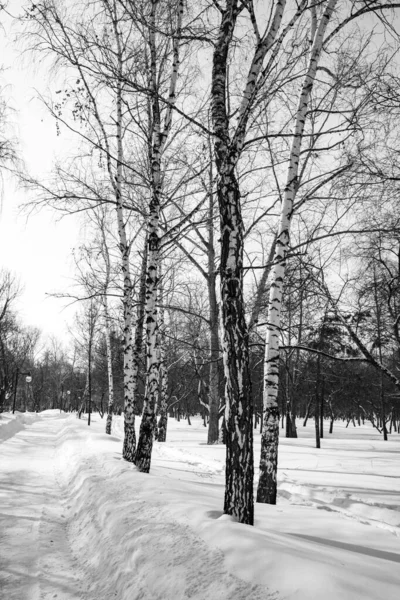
[(28, 379)]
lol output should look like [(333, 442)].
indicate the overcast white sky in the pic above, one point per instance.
[(37, 249)]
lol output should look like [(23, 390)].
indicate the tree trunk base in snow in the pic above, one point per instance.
[(213, 433), (239, 498), (267, 485), (109, 423), (145, 446), (239, 471), (129, 449), (291, 429)]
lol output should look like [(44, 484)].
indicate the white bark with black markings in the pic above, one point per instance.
[(266, 491), (159, 138)]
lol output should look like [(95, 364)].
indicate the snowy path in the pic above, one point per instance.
[(35, 558)]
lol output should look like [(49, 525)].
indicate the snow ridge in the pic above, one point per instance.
[(135, 549)]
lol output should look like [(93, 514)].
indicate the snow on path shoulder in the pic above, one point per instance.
[(11, 424)]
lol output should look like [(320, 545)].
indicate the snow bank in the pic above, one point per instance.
[(135, 548), (10, 424)]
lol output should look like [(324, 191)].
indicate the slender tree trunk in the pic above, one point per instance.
[(141, 304), (317, 404), (267, 486), (213, 399), (222, 432), (110, 405), (332, 417), (321, 412), (296, 371), (383, 411), (148, 424), (107, 329), (289, 424), (90, 379), (130, 365), (261, 287), (307, 415), (163, 420), (130, 358)]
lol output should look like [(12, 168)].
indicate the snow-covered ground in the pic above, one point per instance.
[(79, 523)]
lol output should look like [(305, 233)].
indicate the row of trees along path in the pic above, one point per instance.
[(188, 112)]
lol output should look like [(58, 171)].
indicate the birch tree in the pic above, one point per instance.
[(266, 491), (160, 131), (107, 325), (163, 371), (320, 18), (100, 120)]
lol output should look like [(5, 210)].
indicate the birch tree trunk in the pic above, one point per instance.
[(90, 356), (317, 404), (213, 400), (238, 396), (239, 470), (380, 354), (267, 486), (148, 424), (110, 404), (163, 421), (107, 329), (141, 303), (145, 443), (163, 383), (130, 364), (261, 288)]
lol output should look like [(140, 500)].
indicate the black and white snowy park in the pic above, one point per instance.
[(80, 523)]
